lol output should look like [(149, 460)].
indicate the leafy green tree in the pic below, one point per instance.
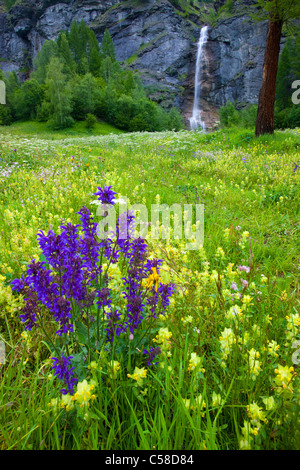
[(175, 120), (83, 66), (122, 80), (95, 61), (109, 69), (12, 86), (85, 95), (27, 99), (109, 106), (124, 111), (58, 93)]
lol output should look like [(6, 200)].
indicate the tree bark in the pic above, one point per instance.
[(266, 102)]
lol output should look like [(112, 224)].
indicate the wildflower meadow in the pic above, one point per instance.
[(135, 342)]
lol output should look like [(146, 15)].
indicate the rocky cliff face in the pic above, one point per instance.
[(152, 37)]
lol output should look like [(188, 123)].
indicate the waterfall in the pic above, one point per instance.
[(196, 119)]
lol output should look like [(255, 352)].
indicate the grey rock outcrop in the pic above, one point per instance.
[(152, 37)]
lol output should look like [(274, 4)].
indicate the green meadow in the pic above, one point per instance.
[(227, 375)]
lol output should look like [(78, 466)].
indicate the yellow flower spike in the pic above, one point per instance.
[(83, 395), (138, 374), (153, 279), (194, 362)]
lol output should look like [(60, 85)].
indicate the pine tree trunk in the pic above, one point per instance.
[(265, 112)]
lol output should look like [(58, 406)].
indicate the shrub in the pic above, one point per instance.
[(90, 121), (229, 116)]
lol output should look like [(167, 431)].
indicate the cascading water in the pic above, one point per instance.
[(196, 119)]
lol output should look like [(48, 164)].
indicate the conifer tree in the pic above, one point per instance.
[(42, 60), (107, 47), (65, 54)]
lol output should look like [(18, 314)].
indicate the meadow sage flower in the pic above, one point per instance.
[(151, 354), (106, 195), (64, 373)]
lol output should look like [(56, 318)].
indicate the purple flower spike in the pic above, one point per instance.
[(64, 373), (106, 195), (150, 356)]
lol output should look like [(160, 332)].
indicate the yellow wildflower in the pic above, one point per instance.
[(273, 347), (284, 375), (227, 339), (226, 233), (53, 404), (283, 296), (67, 402), (138, 374), (234, 312), (217, 400), (245, 443), (114, 367), (195, 361), (93, 365), (153, 279), (256, 414), (188, 319), (220, 252), (163, 337), (269, 403), (246, 299), (83, 393), (254, 363), (197, 402)]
